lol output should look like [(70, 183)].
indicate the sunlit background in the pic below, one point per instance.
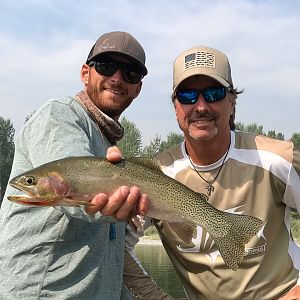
[(44, 43)]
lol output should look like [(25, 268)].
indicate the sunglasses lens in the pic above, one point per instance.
[(187, 96), (106, 68), (210, 95), (130, 75), (214, 94), (109, 68)]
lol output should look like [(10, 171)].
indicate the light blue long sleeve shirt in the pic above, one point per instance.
[(61, 252)]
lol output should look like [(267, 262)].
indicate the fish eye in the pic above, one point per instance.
[(29, 180)]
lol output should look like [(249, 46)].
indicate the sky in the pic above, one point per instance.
[(43, 44)]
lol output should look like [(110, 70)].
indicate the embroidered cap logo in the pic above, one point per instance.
[(200, 59)]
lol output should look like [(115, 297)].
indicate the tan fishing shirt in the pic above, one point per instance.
[(260, 177)]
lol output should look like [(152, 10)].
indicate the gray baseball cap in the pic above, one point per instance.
[(202, 60), (120, 43)]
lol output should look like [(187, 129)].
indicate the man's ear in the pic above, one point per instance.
[(84, 74)]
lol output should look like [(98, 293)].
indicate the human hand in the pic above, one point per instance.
[(122, 204), (114, 154), (293, 294)]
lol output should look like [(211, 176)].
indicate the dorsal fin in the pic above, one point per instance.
[(149, 163)]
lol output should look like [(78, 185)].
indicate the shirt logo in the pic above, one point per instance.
[(204, 243)]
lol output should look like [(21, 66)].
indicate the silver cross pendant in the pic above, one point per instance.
[(210, 188)]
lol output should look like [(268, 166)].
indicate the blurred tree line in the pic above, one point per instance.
[(7, 148), (131, 144)]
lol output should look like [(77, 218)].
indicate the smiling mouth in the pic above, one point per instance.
[(113, 91), (202, 121)]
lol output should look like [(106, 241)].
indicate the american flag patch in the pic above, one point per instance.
[(200, 59), (190, 57)]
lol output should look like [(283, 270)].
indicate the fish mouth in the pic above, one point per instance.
[(28, 200), (28, 192), (37, 201), (55, 201)]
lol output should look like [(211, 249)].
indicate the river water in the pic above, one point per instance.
[(158, 265)]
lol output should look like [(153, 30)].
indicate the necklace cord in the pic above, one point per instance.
[(210, 188)]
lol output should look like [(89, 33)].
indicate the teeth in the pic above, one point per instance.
[(114, 91), (202, 121)]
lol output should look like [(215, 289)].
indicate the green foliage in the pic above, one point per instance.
[(131, 146), (295, 214), (253, 127), (153, 148), (172, 140), (131, 143), (158, 145), (277, 136), (7, 132), (295, 226), (259, 129), (296, 140), (280, 136)]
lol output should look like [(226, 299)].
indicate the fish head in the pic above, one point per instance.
[(39, 189)]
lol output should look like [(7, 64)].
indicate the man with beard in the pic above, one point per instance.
[(239, 172), (67, 252)]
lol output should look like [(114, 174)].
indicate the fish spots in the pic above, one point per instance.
[(83, 177)]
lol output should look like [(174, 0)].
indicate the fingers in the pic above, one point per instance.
[(97, 203), (114, 154), (123, 203), (143, 205)]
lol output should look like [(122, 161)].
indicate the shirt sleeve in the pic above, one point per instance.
[(135, 278), (58, 131)]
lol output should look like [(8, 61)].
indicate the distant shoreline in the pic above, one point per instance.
[(151, 241), (156, 241)]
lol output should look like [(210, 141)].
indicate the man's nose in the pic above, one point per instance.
[(117, 76), (201, 103)]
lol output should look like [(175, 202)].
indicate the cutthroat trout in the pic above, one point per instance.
[(76, 180)]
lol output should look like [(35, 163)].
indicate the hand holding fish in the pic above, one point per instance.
[(125, 202), (114, 154), (122, 204), (75, 181)]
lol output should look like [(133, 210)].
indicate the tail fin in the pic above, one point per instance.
[(232, 245)]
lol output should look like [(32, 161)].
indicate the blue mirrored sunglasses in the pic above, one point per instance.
[(190, 96)]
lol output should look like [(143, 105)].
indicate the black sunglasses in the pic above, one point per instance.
[(108, 68), (190, 96)]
